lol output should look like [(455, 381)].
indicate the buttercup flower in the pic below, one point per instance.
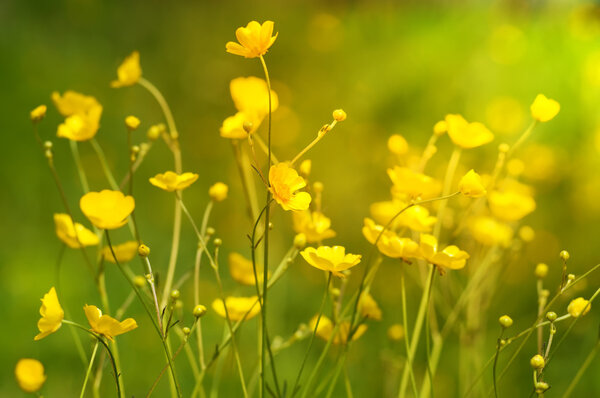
[(314, 225), (105, 325), (82, 114), (510, 205), (132, 122), (544, 109), (251, 96), (467, 135), (107, 209), (579, 307), (413, 183), (241, 269), (284, 182), (52, 315), (71, 103), (368, 307), (416, 218), (490, 232), (218, 192), (339, 115), (129, 72), (471, 185), (389, 243), (38, 113), (170, 181), (237, 307), (72, 234), (30, 374), (254, 40), (125, 252), (451, 257), (332, 259), (326, 327)]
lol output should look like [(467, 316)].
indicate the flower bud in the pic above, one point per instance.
[(247, 126), (505, 321), (551, 316), (318, 187), (155, 131), (564, 255), (440, 128), (397, 145), (537, 362), (571, 277), (395, 332), (132, 123), (218, 192), (186, 330), (504, 147), (199, 311), (175, 294), (541, 387), (38, 113), (47, 145), (217, 242), (300, 241), (143, 250), (339, 115), (579, 307), (541, 270)]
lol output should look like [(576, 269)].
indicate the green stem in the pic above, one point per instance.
[(104, 164), (409, 359), (89, 370), (498, 346), (448, 179), (82, 177)]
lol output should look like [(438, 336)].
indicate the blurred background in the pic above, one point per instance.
[(394, 67)]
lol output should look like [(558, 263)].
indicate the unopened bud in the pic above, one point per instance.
[(300, 241), (541, 270), (564, 255), (247, 126), (199, 310), (217, 242), (551, 316), (175, 294), (505, 321), (186, 330), (541, 387), (537, 362), (339, 115), (132, 123), (143, 250), (139, 281)]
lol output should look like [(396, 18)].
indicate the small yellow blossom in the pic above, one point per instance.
[(471, 185), (397, 145), (544, 109), (52, 315), (579, 307), (218, 192), (541, 270), (30, 374), (416, 218), (467, 135), (510, 205), (106, 325), (332, 259), (170, 181), (490, 232), (72, 234), (132, 122), (125, 252), (237, 307), (242, 271), (368, 307), (314, 225), (38, 113), (82, 114), (326, 327), (155, 131), (107, 209), (254, 40), (284, 182), (251, 96), (451, 257), (71, 103), (129, 72), (413, 183), (389, 243), (339, 115), (440, 128)]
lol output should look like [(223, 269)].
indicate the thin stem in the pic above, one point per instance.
[(320, 134), (82, 177), (104, 164), (448, 179), (586, 363), (498, 346), (409, 359), (89, 370), (521, 139)]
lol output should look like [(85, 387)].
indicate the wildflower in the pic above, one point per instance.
[(467, 135), (238, 308), (129, 72), (332, 259), (107, 209), (490, 232), (451, 257), (339, 115), (170, 181), (471, 185), (71, 103), (38, 113), (82, 114), (254, 40), (242, 270), (125, 252), (52, 315), (413, 183), (218, 192), (326, 327), (544, 109), (284, 182), (510, 205), (72, 234), (132, 123), (505, 321), (30, 374), (314, 225), (106, 325), (389, 243), (396, 332), (579, 307), (368, 307), (416, 217), (397, 145)]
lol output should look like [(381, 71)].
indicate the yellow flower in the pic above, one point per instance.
[(241, 270), (30, 374), (467, 135), (132, 122), (397, 145), (125, 252), (544, 109), (490, 232), (396, 332), (129, 72), (107, 209), (52, 315), (325, 330), (332, 259), (368, 307), (73, 235), (390, 244), (471, 185), (284, 182), (416, 217), (251, 96), (314, 225), (71, 103), (254, 40), (339, 115), (237, 307), (451, 257), (82, 114), (579, 307), (218, 192), (38, 113), (105, 325), (510, 205), (413, 183), (170, 181)]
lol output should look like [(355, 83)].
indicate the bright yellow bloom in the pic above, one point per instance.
[(416, 217), (251, 96), (325, 330), (471, 185), (30, 374), (467, 135), (510, 205), (396, 332), (284, 182), (242, 271), (129, 72), (368, 307), (544, 109), (413, 183), (107, 209), (579, 307), (132, 122), (170, 181), (451, 257), (254, 40), (389, 243), (125, 252), (106, 325), (314, 225), (218, 192), (82, 114), (237, 307), (332, 259), (73, 235), (52, 315), (38, 113), (490, 232), (397, 145), (71, 103)]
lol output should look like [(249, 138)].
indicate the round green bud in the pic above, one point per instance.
[(537, 362), (199, 310), (143, 250), (218, 242), (551, 316), (186, 330), (210, 231), (564, 255), (175, 294), (505, 321), (541, 387)]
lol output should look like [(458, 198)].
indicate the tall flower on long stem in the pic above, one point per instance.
[(254, 40)]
